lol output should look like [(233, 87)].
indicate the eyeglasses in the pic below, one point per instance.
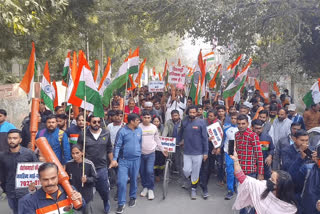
[(96, 122)]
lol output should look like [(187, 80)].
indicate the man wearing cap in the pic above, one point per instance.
[(294, 116), (148, 106)]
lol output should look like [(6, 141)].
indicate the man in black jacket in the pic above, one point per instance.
[(8, 167), (98, 146)]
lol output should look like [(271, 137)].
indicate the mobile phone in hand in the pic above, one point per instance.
[(231, 147), (318, 152), (308, 152)]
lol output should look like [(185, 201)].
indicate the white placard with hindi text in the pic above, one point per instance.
[(156, 86), (215, 131), (27, 173), (169, 143), (177, 75)]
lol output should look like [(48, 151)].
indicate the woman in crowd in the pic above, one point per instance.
[(274, 196)]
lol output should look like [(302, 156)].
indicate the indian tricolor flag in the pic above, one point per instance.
[(106, 78), (86, 89), (313, 96), (130, 66), (47, 90), (28, 78), (237, 83), (209, 56), (66, 69), (73, 138)]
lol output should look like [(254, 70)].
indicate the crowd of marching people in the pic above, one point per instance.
[(268, 159)]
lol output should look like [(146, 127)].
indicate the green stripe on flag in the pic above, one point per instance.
[(308, 100), (92, 96), (47, 100), (233, 91), (114, 85), (133, 70)]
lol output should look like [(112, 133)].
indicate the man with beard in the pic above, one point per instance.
[(171, 129), (98, 147), (8, 167), (62, 121), (283, 143), (267, 146), (273, 113), (57, 139), (51, 197), (264, 116), (195, 140), (74, 131), (280, 127)]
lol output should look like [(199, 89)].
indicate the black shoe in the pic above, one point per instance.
[(132, 202), (120, 209), (229, 195)]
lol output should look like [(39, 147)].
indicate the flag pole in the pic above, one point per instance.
[(84, 135), (84, 132), (125, 94)]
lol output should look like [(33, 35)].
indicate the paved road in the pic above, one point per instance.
[(177, 202)]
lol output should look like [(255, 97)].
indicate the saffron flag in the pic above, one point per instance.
[(55, 101), (97, 73), (28, 78), (138, 78)]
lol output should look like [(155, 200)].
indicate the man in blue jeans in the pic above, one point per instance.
[(150, 141), (229, 133), (126, 155), (98, 147)]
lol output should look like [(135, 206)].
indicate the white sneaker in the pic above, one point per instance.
[(150, 194), (144, 192)]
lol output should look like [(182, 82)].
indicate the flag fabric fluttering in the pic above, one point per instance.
[(213, 82), (130, 66), (276, 89), (257, 87), (106, 78), (86, 89), (55, 101), (141, 67), (97, 73), (72, 78), (66, 70), (47, 93), (237, 83), (209, 56), (165, 73), (313, 96), (198, 81), (31, 72)]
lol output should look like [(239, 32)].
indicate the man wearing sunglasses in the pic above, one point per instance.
[(98, 146)]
